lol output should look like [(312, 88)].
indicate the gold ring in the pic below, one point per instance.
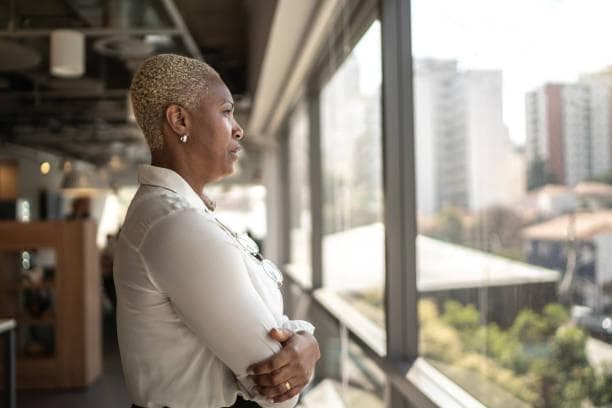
[(288, 385)]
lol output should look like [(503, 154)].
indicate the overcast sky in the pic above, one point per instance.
[(531, 41)]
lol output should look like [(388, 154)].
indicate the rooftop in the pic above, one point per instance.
[(587, 226)]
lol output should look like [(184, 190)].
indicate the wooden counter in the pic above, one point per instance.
[(50, 283)]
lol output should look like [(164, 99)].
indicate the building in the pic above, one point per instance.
[(463, 154), (569, 130), (585, 237), (446, 271), (476, 275)]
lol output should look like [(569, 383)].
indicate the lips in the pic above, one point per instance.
[(234, 152)]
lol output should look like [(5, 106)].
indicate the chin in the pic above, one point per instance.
[(230, 171)]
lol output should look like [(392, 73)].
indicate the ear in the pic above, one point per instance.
[(178, 119)]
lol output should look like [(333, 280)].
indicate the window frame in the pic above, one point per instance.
[(411, 380)]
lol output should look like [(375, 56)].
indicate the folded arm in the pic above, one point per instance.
[(203, 273), (285, 374)]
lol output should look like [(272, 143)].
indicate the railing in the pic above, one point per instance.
[(418, 381)]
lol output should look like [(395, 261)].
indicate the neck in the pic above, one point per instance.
[(193, 175)]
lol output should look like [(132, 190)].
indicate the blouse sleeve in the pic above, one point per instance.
[(202, 272)]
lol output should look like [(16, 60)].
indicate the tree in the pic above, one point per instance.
[(538, 174), (498, 230), (565, 372), (555, 316), (461, 317), (604, 178), (449, 226), (529, 327)]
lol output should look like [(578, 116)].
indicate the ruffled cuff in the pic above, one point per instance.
[(298, 326)]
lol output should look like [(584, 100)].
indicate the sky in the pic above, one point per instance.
[(531, 41)]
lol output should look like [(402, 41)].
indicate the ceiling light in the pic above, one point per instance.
[(45, 167), (67, 53), (124, 48)]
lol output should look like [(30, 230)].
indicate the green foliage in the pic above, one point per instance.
[(538, 174), (529, 327), (498, 230), (503, 347), (565, 374), (604, 178), (555, 315), (438, 340), (461, 317), (441, 342), (519, 385), (540, 358), (600, 390), (448, 226), (568, 348)]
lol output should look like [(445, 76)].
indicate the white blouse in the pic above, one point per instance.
[(193, 308)]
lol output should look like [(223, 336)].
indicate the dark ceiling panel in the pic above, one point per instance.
[(63, 112)]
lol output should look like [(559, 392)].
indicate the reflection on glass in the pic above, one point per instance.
[(363, 382), (353, 241), (360, 382), (299, 194), (513, 166), (27, 293)]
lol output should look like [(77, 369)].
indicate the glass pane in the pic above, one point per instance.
[(353, 230), (514, 162), (27, 293), (242, 208), (359, 382), (299, 194)]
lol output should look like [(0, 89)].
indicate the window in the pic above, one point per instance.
[(513, 329), (353, 230), (300, 219)]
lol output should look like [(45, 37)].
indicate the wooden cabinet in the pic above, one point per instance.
[(50, 283)]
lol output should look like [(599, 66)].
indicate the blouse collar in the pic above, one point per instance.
[(170, 180)]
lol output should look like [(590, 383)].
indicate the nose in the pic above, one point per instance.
[(237, 131)]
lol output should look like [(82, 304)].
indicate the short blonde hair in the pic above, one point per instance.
[(163, 80)]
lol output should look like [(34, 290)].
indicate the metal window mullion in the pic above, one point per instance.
[(316, 186), (399, 187), (284, 226)]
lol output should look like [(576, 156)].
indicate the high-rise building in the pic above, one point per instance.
[(464, 156), (569, 129), (543, 119)]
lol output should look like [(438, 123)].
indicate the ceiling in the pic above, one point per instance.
[(87, 118)]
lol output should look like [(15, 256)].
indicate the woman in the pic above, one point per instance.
[(199, 311)]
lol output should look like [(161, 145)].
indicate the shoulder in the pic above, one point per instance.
[(157, 208)]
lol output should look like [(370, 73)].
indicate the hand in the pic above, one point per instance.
[(294, 363)]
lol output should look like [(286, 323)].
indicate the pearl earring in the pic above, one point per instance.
[(183, 138)]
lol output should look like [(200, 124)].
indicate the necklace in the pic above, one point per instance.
[(249, 246), (210, 204)]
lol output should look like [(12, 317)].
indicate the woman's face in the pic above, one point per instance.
[(215, 131)]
